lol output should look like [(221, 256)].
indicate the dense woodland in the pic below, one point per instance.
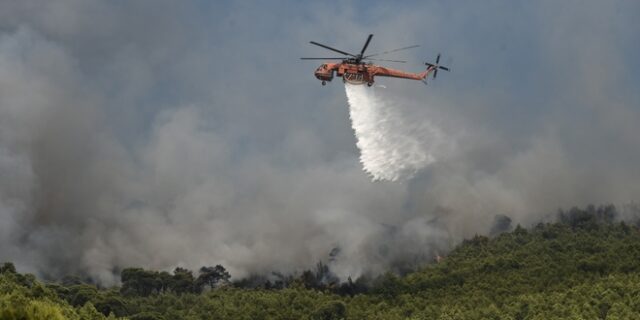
[(584, 266)]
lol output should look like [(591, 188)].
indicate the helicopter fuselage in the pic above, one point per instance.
[(357, 68), (361, 73)]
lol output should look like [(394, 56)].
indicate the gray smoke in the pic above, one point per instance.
[(158, 134)]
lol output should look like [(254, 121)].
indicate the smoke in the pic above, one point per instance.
[(157, 138), (77, 198), (392, 147)]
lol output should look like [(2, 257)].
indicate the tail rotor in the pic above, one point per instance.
[(435, 67)]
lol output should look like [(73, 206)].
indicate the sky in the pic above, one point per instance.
[(162, 134)]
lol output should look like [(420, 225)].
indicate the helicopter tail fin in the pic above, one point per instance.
[(424, 74)]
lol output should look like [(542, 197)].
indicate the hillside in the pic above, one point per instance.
[(585, 266)]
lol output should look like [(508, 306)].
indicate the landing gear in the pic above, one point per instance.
[(369, 84), (324, 83)]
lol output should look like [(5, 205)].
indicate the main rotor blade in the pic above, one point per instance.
[(332, 49), (400, 61), (390, 51), (366, 44), (322, 58), (443, 68), (438, 59)]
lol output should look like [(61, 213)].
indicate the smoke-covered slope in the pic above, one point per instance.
[(584, 267), (164, 134)]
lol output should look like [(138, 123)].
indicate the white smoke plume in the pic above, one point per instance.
[(392, 146)]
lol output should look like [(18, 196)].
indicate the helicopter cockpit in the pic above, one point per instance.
[(324, 73)]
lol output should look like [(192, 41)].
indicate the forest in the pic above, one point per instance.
[(584, 265)]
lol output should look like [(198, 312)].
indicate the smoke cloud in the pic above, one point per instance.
[(157, 134)]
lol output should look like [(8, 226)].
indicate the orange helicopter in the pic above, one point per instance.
[(354, 70)]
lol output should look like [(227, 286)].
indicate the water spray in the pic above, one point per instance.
[(392, 147)]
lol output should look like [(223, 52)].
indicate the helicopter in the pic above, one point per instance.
[(358, 68)]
